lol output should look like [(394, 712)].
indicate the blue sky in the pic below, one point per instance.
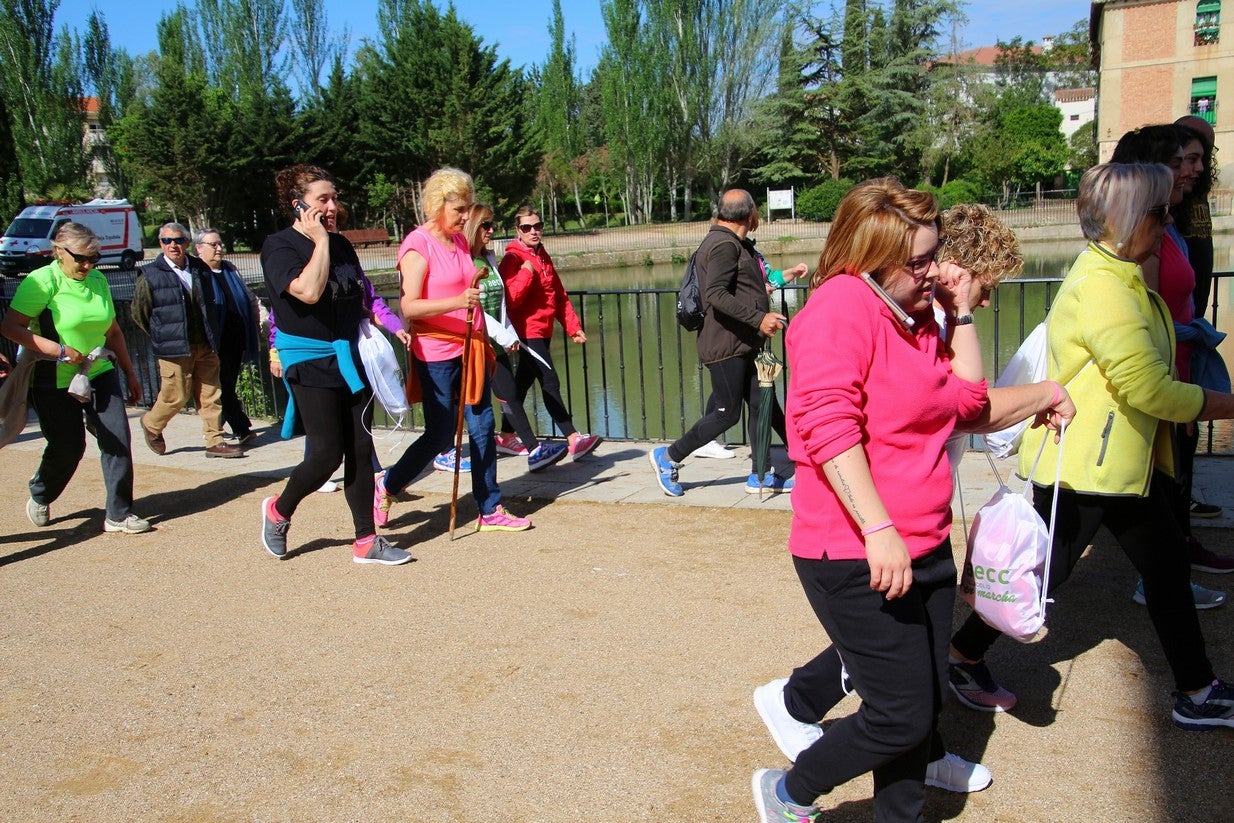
[(519, 28)]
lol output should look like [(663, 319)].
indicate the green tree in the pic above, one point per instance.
[(1021, 147), (111, 74), (11, 199), (42, 90), (558, 109)]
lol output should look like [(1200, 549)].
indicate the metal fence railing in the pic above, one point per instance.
[(638, 377)]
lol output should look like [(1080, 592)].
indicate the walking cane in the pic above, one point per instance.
[(458, 422)]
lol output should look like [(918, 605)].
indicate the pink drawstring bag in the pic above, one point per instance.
[(1007, 568)]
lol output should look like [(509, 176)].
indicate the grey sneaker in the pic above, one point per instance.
[(771, 809), (39, 514), (379, 551), (129, 525), (273, 529)]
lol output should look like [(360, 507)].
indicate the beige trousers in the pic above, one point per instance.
[(195, 376)]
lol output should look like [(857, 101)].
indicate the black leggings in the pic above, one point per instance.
[(513, 415), (336, 430), (732, 381), (1146, 530), (529, 371)]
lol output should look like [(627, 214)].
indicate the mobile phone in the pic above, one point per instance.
[(300, 208)]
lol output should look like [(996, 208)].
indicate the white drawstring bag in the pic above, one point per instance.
[(1007, 569), (1027, 365), (382, 368)]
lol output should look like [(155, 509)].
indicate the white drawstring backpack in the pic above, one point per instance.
[(382, 368), (1007, 568)]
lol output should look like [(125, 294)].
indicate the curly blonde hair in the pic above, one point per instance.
[(444, 185), (975, 239)]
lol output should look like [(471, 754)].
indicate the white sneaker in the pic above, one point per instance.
[(714, 450), (955, 774), (791, 735), (329, 486)]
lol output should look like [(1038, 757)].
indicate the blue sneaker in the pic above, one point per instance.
[(545, 455), (444, 462), (772, 483), (666, 471), (1216, 710)]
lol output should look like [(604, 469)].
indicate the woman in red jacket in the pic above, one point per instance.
[(535, 299)]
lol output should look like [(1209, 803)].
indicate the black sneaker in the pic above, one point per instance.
[(1217, 710), (273, 529), (1204, 510)]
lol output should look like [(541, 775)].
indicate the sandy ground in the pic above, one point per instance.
[(599, 667)]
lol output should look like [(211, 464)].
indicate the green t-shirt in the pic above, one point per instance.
[(82, 311), (491, 288)]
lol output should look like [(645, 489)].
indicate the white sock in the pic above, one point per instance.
[(1199, 697)]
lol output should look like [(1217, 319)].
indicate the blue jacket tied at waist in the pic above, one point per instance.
[(293, 349)]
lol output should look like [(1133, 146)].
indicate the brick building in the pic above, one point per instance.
[(1161, 59)]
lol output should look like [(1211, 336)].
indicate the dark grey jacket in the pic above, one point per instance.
[(735, 294)]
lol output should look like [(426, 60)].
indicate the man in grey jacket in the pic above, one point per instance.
[(738, 320), (176, 303)]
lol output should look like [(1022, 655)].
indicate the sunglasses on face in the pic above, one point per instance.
[(81, 258), (525, 227), (1159, 213), (486, 225), (180, 241)]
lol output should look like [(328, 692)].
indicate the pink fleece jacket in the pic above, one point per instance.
[(857, 377)]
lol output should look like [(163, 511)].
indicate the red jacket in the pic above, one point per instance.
[(534, 299)]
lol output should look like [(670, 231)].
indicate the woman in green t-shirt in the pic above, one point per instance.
[(64, 311)]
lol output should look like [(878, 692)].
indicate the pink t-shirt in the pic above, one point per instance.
[(857, 378), (450, 271)]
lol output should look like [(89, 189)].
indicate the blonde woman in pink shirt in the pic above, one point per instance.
[(874, 394)]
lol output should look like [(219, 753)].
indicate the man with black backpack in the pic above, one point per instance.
[(737, 319)]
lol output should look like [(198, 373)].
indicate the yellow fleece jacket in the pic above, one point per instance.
[(1126, 398)]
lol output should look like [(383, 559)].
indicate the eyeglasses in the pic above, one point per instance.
[(218, 244), (167, 241), (487, 225), (81, 258), (531, 227), (1159, 213), (920, 266)]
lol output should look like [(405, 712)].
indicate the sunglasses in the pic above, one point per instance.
[(531, 227), (167, 241), (81, 258), (1159, 213), (487, 225)]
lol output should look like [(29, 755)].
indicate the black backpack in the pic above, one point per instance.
[(690, 307)]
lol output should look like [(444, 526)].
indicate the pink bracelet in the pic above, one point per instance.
[(877, 527), (1058, 393)]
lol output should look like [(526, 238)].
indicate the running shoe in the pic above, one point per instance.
[(584, 444), (1204, 510), (39, 514), (382, 500), (545, 455), (502, 521), (1216, 710), (666, 471), (953, 773), (772, 808), (974, 687), (1204, 598), (129, 525), (274, 528), (510, 444), (714, 450), (377, 549), (1203, 560), (772, 484), (444, 462), (790, 734)]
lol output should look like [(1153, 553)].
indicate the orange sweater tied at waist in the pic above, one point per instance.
[(480, 362)]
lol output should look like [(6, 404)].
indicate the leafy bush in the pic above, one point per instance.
[(820, 202), (954, 192)]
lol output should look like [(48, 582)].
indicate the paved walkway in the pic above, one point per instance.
[(616, 472)]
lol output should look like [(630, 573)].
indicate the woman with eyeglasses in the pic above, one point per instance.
[(540, 455), (64, 312), (874, 394), (316, 288), (536, 299), (436, 296), (1112, 342)]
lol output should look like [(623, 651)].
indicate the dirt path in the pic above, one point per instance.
[(599, 667)]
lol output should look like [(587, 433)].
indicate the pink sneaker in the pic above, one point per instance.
[(584, 444), (502, 521), (382, 500), (510, 444)]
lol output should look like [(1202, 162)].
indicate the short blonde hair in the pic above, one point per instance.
[(974, 239), (873, 229), (80, 237), (475, 237), (1114, 198), (444, 185)]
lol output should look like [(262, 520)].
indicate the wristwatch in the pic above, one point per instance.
[(962, 320)]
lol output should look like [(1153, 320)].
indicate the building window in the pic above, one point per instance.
[(1075, 117), (1207, 22), (1204, 98)]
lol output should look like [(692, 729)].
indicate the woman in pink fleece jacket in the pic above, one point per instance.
[(873, 396)]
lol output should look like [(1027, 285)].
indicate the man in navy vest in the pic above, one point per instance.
[(176, 302)]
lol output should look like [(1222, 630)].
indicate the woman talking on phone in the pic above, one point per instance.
[(316, 290)]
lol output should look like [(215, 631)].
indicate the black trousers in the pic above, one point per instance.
[(530, 370), (231, 357), (513, 415), (733, 381), (1150, 536), (896, 654), (63, 421), (337, 426)]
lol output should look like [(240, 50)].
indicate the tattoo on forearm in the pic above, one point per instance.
[(847, 493)]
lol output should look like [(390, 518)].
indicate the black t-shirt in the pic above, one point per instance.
[(336, 316)]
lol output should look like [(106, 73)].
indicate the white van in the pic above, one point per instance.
[(27, 243)]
